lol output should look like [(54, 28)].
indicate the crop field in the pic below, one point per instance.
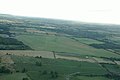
[(46, 68), (62, 44), (49, 49), (101, 60), (89, 78), (34, 68), (62, 67), (113, 68), (15, 76), (45, 54), (75, 58), (88, 41)]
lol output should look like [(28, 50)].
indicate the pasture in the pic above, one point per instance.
[(45, 42), (88, 41), (89, 78), (46, 49), (45, 54), (61, 66), (35, 68)]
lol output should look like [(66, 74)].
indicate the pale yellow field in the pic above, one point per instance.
[(48, 54), (6, 59), (100, 60), (118, 62), (75, 58), (45, 54)]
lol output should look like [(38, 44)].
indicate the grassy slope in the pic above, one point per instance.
[(15, 76), (113, 68), (61, 44), (62, 67), (88, 41), (89, 78)]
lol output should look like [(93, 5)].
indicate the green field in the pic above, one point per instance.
[(62, 44), (89, 78), (113, 68), (88, 41), (27, 67), (62, 67), (50, 49), (15, 76)]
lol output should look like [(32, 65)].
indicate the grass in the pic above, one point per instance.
[(101, 60), (61, 66), (113, 68), (15, 76), (89, 78), (44, 42), (45, 54), (88, 41), (62, 44), (34, 75)]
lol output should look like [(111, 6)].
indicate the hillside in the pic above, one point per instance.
[(58, 49)]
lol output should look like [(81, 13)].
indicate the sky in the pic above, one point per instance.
[(96, 11)]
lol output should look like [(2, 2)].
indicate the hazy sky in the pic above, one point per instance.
[(100, 11)]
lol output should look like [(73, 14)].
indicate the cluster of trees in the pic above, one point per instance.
[(39, 57), (3, 69), (38, 64), (106, 46), (14, 47), (112, 76), (53, 74), (4, 29), (44, 72), (10, 41), (12, 44), (24, 70), (25, 79)]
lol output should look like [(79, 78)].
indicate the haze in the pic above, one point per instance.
[(97, 11)]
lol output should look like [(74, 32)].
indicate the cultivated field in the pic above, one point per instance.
[(62, 44), (45, 54), (49, 49)]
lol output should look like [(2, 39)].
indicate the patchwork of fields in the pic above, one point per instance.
[(27, 67), (46, 49), (34, 68)]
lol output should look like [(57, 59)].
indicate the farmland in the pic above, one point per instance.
[(42, 49), (27, 67), (50, 43), (90, 78), (62, 67)]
